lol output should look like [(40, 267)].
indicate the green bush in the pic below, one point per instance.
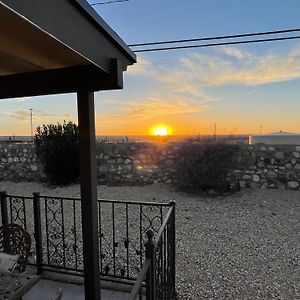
[(57, 146), (204, 167)]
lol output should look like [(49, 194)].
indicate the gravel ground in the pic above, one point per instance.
[(245, 246)]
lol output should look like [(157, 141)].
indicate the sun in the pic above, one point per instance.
[(160, 131)]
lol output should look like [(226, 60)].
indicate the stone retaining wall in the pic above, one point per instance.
[(146, 163)]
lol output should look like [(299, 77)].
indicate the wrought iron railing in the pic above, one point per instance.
[(55, 226), (156, 281)]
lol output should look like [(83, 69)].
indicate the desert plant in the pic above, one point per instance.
[(57, 146), (204, 167)]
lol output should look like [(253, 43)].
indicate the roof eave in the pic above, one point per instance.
[(107, 30)]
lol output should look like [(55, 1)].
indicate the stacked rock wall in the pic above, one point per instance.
[(268, 166), (146, 163), (18, 162)]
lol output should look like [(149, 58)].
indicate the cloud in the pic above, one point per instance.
[(18, 100), (203, 71), (182, 87), (24, 115), (236, 53), (139, 68), (152, 108)]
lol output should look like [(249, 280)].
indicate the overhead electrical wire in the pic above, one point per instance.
[(109, 2), (216, 37), (217, 44)]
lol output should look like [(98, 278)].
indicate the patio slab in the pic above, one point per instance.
[(46, 289)]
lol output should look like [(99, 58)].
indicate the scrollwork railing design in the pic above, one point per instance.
[(122, 227)]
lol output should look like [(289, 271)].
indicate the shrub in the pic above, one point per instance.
[(57, 146), (204, 167)]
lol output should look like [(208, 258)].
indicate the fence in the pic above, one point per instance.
[(55, 226), (157, 276)]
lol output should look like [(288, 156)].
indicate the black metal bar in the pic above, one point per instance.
[(114, 238), (24, 212), (150, 277), (63, 231), (75, 235), (173, 247), (4, 210), (100, 234), (38, 232), (141, 236), (157, 204), (10, 209), (137, 288), (47, 230), (88, 185), (127, 241)]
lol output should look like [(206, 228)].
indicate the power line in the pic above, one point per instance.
[(109, 2), (218, 44), (216, 37)]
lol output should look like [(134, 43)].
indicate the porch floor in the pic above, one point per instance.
[(46, 290)]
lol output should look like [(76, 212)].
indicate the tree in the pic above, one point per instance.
[(57, 146)]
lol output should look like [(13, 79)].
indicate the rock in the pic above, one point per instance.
[(293, 184), (298, 148), (261, 164), (297, 167), (246, 177), (242, 184), (119, 160), (112, 169), (289, 166), (296, 154), (127, 161), (293, 161), (256, 178), (142, 156), (271, 149), (102, 169), (169, 162), (33, 168), (279, 155)]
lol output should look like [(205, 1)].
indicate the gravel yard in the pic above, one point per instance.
[(245, 246)]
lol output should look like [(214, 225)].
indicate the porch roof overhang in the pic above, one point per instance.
[(58, 46), (63, 46)]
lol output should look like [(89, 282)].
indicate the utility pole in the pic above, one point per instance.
[(260, 129), (31, 124), (215, 132)]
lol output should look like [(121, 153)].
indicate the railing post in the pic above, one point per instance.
[(151, 274), (38, 232), (173, 247), (4, 211)]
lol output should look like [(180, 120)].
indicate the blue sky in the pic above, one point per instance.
[(240, 88)]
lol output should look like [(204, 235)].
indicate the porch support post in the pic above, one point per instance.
[(88, 185)]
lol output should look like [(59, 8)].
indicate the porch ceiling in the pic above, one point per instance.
[(57, 46)]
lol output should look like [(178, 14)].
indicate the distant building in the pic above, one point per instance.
[(275, 138)]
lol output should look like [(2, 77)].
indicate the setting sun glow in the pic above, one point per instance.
[(160, 130)]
